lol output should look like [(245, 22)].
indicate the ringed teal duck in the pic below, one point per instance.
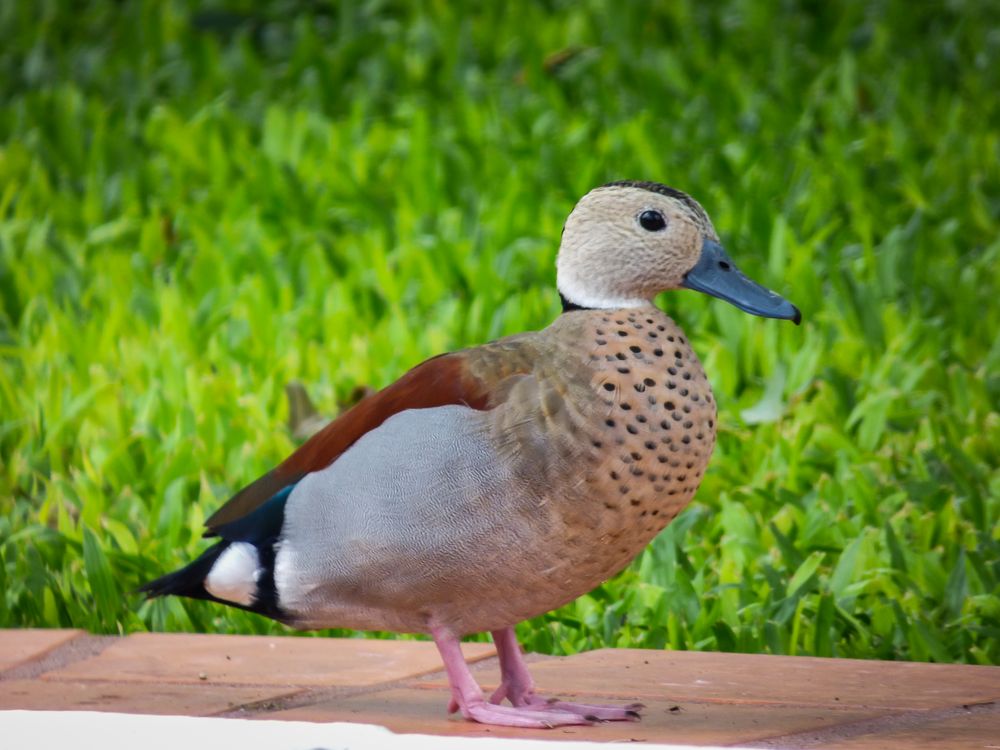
[(493, 484)]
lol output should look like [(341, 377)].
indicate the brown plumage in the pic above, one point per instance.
[(496, 483)]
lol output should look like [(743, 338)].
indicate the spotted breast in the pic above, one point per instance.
[(636, 422)]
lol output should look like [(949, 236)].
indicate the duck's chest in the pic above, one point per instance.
[(652, 428)]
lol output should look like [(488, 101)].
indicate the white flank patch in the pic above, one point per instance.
[(234, 576), (290, 590)]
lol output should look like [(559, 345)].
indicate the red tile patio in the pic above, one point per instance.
[(691, 698)]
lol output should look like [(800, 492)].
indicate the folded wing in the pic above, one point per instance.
[(446, 379)]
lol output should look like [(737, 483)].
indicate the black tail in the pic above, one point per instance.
[(188, 581), (260, 528)]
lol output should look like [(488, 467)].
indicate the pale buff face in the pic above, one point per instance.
[(608, 259)]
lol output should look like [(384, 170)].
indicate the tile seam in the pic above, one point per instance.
[(312, 695), (874, 727), (80, 648)]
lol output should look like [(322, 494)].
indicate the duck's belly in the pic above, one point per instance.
[(421, 523), (428, 521)]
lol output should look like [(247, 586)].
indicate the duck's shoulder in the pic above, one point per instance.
[(476, 378)]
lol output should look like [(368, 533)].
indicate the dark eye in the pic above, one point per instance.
[(652, 221)]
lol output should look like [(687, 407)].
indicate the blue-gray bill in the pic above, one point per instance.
[(717, 275)]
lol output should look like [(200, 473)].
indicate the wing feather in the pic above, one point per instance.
[(445, 379)]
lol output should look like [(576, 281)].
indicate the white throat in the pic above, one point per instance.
[(577, 293)]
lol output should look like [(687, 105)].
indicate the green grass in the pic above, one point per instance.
[(197, 207)]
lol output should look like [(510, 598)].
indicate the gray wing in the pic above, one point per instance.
[(415, 521)]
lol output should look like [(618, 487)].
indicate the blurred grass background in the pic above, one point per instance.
[(202, 202)]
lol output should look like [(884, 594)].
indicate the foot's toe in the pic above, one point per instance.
[(590, 711), (524, 716)]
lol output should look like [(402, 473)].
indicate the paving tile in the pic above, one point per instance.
[(754, 678), (424, 711), (18, 646), (180, 700), (975, 731), (261, 660)]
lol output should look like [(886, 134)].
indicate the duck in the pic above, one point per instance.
[(492, 484)]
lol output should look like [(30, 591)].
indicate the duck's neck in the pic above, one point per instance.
[(577, 297)]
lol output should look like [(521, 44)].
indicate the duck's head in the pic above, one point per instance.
[(626, 242)]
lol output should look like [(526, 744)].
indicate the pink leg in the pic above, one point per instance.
[(467, 696), (517, 686)]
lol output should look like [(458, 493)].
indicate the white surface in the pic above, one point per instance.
[(41, 730)]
